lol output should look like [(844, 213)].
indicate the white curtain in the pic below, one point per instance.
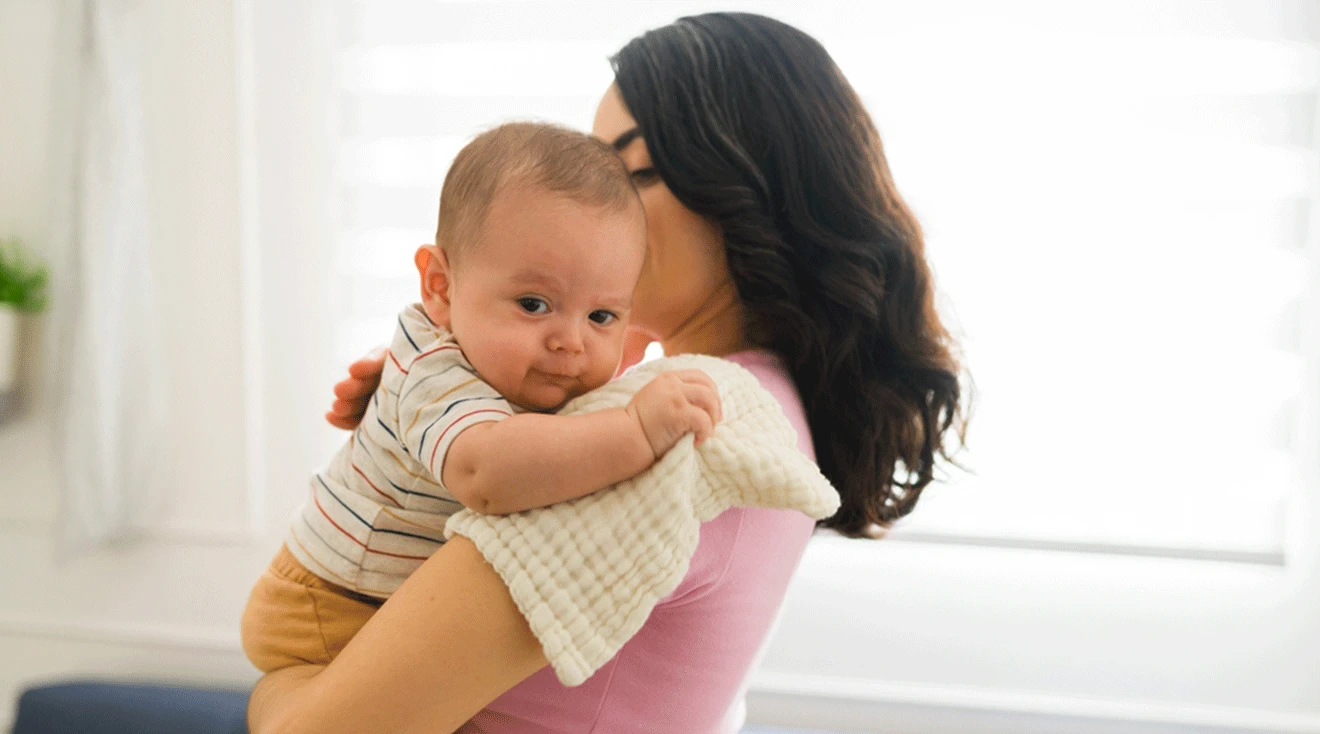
[(110, 379)]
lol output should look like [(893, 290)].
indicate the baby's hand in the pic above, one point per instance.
[(675, 404)]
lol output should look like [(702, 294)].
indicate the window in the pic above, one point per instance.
[(1117, 213), (1115, 204)]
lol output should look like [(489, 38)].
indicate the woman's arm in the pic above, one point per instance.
[(447, 643)]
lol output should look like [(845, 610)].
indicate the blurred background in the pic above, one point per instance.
[(1119, 200)]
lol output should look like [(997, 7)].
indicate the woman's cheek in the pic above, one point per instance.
[(656, 288), (643, 313), (680, 266)]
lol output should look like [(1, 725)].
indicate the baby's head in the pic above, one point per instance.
[(539, 247)]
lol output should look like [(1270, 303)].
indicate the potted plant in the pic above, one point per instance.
[(22, 289)]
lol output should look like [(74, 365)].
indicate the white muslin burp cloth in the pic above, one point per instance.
[(587, 573)]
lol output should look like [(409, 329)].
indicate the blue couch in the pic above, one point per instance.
[(92, 707), (121, 708)]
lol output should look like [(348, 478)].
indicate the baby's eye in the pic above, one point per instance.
[(602, 317), (533, 305)]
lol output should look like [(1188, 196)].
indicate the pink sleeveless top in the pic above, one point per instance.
[(684, 671)]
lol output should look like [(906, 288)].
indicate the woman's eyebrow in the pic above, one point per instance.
[(624, 140)]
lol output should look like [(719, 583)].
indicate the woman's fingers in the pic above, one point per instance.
[(370, 366), (363, 377), (351, 389), (347, 408), (340, 422), (346, 414), (353, 393)]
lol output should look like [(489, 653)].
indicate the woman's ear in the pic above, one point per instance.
[(436, 278)]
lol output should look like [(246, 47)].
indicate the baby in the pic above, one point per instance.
[(524, 301)]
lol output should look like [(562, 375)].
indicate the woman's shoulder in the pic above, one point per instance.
[(751, 552), (770, 371), (769, 540)]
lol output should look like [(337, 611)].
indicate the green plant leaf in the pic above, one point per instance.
[(22, 284)]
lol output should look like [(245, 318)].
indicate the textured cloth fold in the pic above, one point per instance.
[(587, 573)]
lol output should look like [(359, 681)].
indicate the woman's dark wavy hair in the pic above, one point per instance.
[(751, 124)]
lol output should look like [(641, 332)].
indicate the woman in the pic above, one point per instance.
[(776, 240)]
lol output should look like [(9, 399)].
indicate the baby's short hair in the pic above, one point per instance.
[(537, 155)]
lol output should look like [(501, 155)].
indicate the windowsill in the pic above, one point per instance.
[(994, 566), (1261, 556)]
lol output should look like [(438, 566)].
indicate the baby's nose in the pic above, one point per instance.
[(567, 339)]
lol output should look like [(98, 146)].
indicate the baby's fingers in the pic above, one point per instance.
[(697, 377), (700, 423), (705, 397)]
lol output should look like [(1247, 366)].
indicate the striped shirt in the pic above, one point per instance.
[(379, 508)]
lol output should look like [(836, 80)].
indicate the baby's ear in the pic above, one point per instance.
[(434, 273)]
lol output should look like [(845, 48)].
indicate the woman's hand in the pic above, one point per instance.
[(352, 395)]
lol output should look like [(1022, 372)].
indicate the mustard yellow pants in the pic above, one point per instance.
[(294, 617)]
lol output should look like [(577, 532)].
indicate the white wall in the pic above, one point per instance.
[(166, 608)]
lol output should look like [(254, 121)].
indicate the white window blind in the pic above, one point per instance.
[(1116, 198)]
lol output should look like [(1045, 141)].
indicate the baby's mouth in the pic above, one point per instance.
[(558, 377)]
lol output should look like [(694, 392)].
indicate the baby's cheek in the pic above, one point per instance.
[(602, 372), (513, 368), (497, 361)]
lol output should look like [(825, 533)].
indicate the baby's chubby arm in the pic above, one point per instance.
[(533, 460)]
